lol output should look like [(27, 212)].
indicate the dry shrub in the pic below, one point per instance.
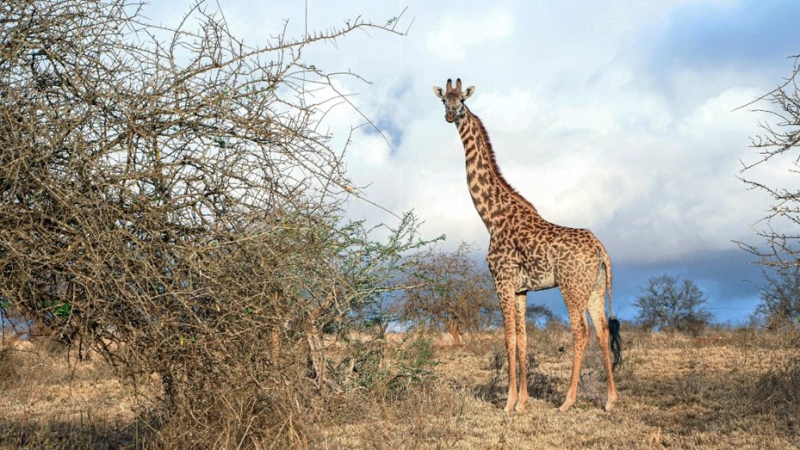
[(235, 416), (381, 370), (756, 337), (496, 387), (85, 431), (777, 393), (479, 344), (166, 201), (449, 291), (426, 414), (540, 384), (8, 366), (555, 337), (247, 361), (9, 363)]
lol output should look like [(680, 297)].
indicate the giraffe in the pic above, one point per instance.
[(528, 253)]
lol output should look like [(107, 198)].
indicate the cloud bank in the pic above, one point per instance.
[(614, 117)]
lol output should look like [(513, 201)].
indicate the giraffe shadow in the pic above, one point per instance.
[(493, 392), (540, 385), (544, 387)]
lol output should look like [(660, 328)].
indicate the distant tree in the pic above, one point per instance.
[(671, 304), (780, 300), (778, 149), (449, 290), (535, 313)]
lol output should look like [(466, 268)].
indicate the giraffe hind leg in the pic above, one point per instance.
[(596, 308), (580, 336)]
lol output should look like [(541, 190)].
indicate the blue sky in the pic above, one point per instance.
[(613, 116)]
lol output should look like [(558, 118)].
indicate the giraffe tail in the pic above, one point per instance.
[(605, 261), (613, 324)]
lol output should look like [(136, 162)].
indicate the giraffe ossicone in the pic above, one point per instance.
[(528, 253)]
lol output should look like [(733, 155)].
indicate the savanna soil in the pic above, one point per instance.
[(729, 389)]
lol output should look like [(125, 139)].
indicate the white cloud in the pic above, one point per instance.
[(510, 110), (586, 120), (458, 33), (613, 116)]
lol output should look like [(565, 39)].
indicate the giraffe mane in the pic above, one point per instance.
[(495, 167)]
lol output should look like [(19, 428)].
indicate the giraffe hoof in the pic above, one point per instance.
[(520, 406), (612, 398), (565, 407)]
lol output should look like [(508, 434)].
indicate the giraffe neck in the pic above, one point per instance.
[(493, 197)]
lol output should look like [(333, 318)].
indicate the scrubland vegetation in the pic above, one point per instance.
[(729, 388), (178, 271)]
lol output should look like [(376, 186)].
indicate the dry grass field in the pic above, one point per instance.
[(729, 389)]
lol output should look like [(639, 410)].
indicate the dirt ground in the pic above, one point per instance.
[(674, 392), (732, 389)]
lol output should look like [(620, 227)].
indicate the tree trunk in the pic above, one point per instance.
[(454, 328)]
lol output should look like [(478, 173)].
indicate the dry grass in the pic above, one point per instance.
[(724, 390), (49, 402), (729, 389)]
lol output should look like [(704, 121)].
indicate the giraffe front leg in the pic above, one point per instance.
[(509, 330), (522, 350), (504, 282)]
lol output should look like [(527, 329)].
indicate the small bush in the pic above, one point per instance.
[(372, 365), (540, 384), (778, 393), (8, 367)]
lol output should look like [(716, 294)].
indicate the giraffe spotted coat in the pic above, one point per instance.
[(528, 253)]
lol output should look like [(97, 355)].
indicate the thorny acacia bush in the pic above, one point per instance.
[(777, 151), (166, 200)]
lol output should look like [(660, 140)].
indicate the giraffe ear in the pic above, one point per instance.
[(438, 91), (468, 93)]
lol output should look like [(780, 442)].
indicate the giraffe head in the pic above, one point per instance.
[(453, 99)]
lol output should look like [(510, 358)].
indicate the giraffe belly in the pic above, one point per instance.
[(539, 282)]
